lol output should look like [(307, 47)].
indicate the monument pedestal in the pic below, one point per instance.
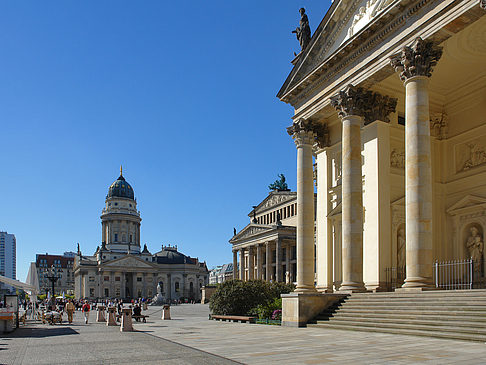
[(166, 312), (111, 320), (298, 308)]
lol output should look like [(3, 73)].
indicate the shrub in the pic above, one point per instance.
[(254, 297)]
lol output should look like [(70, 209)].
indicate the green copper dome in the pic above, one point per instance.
[(120, 189)]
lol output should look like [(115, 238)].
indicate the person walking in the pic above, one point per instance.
[(70, 308), (85, 308)]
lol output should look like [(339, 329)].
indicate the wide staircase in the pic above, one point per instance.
[(454, 314)]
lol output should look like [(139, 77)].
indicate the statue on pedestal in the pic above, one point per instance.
[(475, 246)]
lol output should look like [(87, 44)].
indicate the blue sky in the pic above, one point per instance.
[(181, 93)]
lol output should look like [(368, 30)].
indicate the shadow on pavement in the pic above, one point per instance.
[(40, 332)]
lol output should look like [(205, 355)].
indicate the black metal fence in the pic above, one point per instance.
[(395, 276)]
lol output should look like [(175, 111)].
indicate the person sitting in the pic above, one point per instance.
[(137, 311)]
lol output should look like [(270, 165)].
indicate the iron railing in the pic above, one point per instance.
[(459, 274), (395, 276)]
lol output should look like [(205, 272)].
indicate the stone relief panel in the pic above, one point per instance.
[(275, 200), (397, 158), (470, 154), (438, 125), (336, 169)]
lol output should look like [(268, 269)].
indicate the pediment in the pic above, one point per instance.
[(342, 22), (469, 202), (129, 261), (251, 230), (275, 199)]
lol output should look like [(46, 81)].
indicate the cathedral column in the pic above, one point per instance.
[(123, 290), (351, 103), (268, 260), (235, 264), (415, 66), (278, 260), (242, 264), (303, 135)]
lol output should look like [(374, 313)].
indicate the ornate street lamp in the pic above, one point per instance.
[(53, 277)]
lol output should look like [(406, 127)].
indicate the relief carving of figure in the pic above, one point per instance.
[(477, 156), (401, 248), (397, 159), (303, 32), (475, 247)]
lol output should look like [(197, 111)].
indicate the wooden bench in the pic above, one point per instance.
[(142, 317), (242, 319)]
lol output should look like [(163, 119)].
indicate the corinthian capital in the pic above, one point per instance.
[(379, 108), (416, 60), (302, 132), (351, 101), (482, 4)]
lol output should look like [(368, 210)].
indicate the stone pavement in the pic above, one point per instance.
[(263, 344), (94, 343), (190, 338)]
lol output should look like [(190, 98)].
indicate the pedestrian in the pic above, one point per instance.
[(70, 308), (85, 308)]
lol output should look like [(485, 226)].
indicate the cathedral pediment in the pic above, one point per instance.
[(252, 230), (129, 261), (469, 202), (274, 199), (343, 22)]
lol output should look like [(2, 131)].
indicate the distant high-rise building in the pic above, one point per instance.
[(8, 258)]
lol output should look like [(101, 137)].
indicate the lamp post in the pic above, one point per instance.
[(53, 277)]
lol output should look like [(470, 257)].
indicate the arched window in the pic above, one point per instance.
[(177, 286), (191, 287)]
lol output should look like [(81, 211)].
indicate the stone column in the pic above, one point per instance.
[(278, 260), (268, 258), (351, 104), (259, 261), (242, 264), (288, 250), (304, 137), (235, 264), (251, 263), (415, 66)]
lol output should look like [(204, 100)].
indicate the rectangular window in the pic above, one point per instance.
[(117, 292), (106, 278), (116, 237), (401, 120), (139, 278), (107, 292), (117, 278), (91, 292), (91, 278)]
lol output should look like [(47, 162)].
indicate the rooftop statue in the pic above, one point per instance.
[(279, 185), (303, 31)]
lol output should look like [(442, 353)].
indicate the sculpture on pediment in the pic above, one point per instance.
[(279, 185), (79, 250), (234, 231), (475, 246), (303, 31)]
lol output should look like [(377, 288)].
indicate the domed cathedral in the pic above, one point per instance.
[(120, 268), (120, 219)]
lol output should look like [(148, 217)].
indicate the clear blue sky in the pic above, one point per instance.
[(181, 93)]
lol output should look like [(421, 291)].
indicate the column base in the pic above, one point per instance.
[(305, 289), (299, 308), (418, 282), (352, 287)]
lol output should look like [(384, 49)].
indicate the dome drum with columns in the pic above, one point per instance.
[(119, 267)]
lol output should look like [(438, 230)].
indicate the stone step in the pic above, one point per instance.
[(414, 306), (390, 311), (400, 316), (413, 332), (431, 293), (460, 327), (460, 300)]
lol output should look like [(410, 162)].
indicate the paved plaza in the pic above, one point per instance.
[(190, 338)]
